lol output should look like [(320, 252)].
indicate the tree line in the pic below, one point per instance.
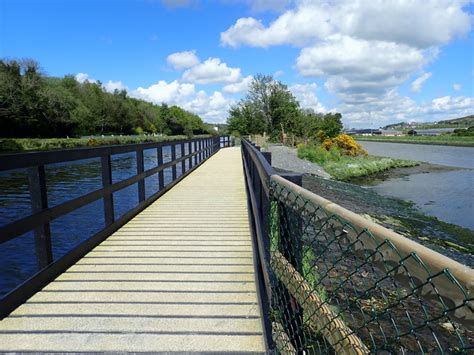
[(270, 107), (33, 105)]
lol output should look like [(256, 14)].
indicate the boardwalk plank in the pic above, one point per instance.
[(177, 277)]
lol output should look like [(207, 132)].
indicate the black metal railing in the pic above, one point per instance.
[(49, 267), (334, 282)]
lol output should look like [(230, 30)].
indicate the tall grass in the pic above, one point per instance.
[(25, 144), (463, 141), (343, 167)]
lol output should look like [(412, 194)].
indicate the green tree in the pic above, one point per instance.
[(332, 124), (268, 107), (34, 105)]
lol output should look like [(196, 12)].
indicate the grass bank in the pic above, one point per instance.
[(343, 167), (466, 141), (13, 145)]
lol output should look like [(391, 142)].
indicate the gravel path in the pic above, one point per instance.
[(285, 158)]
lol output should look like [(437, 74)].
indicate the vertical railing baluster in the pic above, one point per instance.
[(200, 150), (173, 158), (183, 162), (39, 202), (140, 169), (106, 164), (190, 150), (161, 176), (196, 156)]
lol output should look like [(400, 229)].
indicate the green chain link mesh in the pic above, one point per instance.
[(355, 287)]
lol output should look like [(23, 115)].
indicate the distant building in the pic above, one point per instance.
[(430, 132), (363, 132), (391, 132)]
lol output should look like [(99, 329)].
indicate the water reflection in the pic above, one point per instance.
[(66, 181), (447, 195)]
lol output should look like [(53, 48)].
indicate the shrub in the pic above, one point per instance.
[(92, 142), (349, 146)]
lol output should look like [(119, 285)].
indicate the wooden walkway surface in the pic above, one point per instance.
[(177, 277)]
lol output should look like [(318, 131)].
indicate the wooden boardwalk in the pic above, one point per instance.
[(177, 277)]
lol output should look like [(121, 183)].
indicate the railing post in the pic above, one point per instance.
[(140, 169), (106, 164), (183, 161), (39, 202), (161, 176), (290, 246), (268, 157), (173, 158), (201, 147), (196, 156), (190, 151), (266, 210), (199, 142)]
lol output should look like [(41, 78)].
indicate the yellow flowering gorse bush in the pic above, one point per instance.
[(346, 144)]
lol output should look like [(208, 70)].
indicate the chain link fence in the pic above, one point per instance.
[(337, 287)]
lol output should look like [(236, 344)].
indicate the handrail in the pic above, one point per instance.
[(436, 262), (199, 150), (426, 275)]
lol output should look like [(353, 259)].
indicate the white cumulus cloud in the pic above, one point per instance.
[(212, 108), (238, 87), (212, 71), (183, 60), (417, 23), (306, 95), (83, 77), (417, 84), (358, 70), (111, 86), (457, 87)]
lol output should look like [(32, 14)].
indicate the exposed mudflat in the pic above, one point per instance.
[(401, 216), (422, 168)]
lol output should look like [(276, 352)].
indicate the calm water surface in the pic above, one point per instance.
[(447, 195), (66, 181)]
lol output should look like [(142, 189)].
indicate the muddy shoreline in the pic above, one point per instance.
[(401, 216), (422, 168)]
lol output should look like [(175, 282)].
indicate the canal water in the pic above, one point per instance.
[(66, 181), (445, 194)]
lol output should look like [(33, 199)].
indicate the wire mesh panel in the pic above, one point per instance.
[(340, 288)]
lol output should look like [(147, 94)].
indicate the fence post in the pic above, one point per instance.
[(183, 161), (265, 211), (190, 150), (106, 181), (39, 202), (161, 176), (173, 158), (268, 157), (140, 169), (290, 246), (200, 149), (195, 150)]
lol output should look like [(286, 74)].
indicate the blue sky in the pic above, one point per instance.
[(375, 61)]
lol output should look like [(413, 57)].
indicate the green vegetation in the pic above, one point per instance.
[(462, 122), (457, 140), (24, 144), (271, 108), (343, 166), (36, 106)]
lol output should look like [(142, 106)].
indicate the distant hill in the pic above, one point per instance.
[(466, 121)]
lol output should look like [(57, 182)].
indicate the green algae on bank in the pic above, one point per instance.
[(401, 216)]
